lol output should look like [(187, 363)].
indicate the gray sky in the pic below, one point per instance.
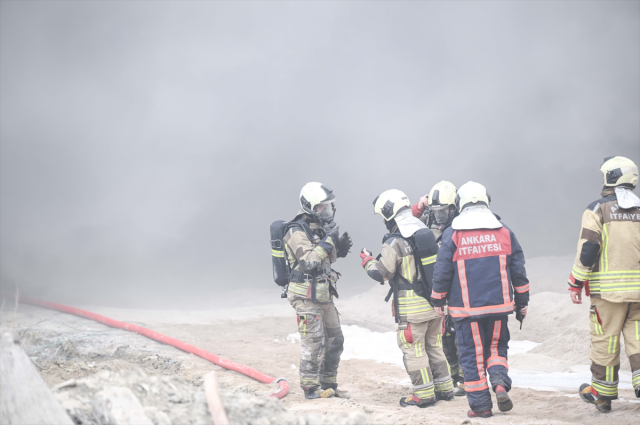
[(147, 146)]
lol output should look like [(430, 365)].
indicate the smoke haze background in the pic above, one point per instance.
[(146, 147)]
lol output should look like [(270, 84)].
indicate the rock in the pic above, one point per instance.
[(24, 396), (158, 417), (118, 406)]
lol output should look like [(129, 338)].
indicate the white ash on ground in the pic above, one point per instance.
[(168, 400)]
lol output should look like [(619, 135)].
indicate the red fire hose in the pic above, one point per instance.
[(227, 364)]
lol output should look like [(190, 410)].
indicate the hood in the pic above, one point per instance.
[(477, 217), (626, 198), (407, 223)]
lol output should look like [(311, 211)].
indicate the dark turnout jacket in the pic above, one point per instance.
[(480, 272)]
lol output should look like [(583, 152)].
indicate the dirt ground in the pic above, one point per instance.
[(66, 347)]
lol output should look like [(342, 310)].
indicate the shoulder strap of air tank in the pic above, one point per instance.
[(301, 223), (391, 236)]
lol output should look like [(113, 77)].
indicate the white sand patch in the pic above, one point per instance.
[(561, 381), (361, 343), (517, 347)]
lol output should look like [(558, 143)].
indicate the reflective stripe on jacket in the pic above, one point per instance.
[(480, 272)]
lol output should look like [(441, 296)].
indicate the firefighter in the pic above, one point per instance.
[(419, 327), (480, 272), (437, 210), (312, 243), (607, 265)]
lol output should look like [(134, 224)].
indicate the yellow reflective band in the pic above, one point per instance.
[(604, 259), (406, 270), (418, 349), (580, 274), (302, 326), (621, 273), (597, 326), (605, 390), (428, 260), (635, 381), (613, 345), (413, 310), (444, 386), (424, 393), (425, 375), (321, 252), (403, 340), (614, 286), (277, 253), (299, 288), (411, 301), (439, 340)]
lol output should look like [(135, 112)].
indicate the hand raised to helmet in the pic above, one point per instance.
[(423, 203), (344, 245)]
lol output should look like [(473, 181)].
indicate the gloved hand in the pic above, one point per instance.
[(344, 245), (575, 294), (366, 257), (333, 233), (523, 311)]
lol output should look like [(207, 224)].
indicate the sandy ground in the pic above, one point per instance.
[(66, 347)]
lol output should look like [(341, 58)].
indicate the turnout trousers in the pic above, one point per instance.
[(321, 343), (608, 320), (483, 345), (424, 360)]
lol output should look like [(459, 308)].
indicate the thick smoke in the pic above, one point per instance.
[(146, 148)]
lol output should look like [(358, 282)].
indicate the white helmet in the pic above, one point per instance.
[(471, 194), (394, 205), (442, 201), (442, 193), (389, 202), (618, 170), (314, 194)]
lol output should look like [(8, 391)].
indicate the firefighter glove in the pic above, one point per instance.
[(344, 245), (366, 257)]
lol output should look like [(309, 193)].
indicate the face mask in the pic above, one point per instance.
[(441, 214), (328, 213)]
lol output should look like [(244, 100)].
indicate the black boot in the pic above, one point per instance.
[(415, 401), (459, 390), (310, 394), (336, 392), (587, 396), (444, 395)]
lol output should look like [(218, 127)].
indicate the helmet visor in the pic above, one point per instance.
[(440, 213), (327, 212)]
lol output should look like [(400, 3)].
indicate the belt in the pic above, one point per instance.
[(299, 277)]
